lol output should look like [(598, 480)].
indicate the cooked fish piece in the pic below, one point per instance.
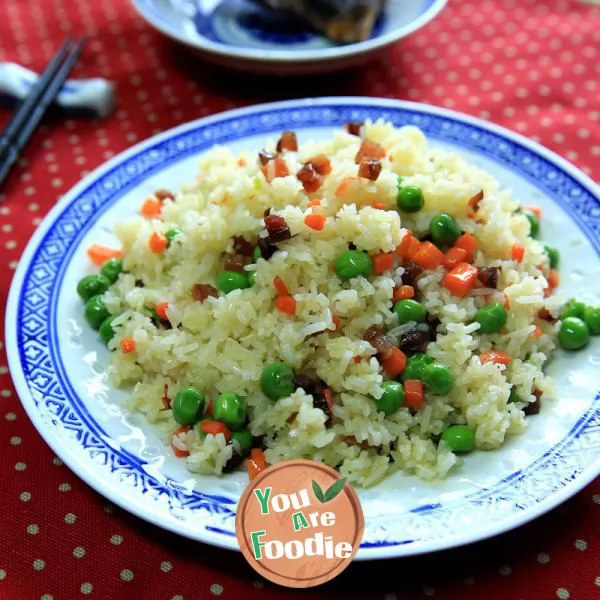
[(342, 21)]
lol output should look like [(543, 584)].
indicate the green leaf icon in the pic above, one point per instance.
[(335, 489), (318, 491)]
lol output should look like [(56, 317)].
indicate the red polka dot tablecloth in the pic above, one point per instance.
[(530, 65)]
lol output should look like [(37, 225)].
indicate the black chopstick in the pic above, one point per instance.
[(37, 89), (26, 119)]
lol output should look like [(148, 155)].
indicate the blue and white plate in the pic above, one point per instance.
[(58, 363), (246, 35)]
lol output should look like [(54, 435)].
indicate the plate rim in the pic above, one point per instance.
[(283, 57), (101, 486)]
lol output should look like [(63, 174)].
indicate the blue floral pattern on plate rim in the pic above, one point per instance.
[(572, 462)]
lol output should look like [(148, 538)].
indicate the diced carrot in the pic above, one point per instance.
[(495, 356), (460, 281), (357, 359), (286, 304), (453, 257), (214, 428), (379, 205), (547, 291), (161, 310), (316, 222), (532, 208), (336, 322), (209, 408), (404, 244), (395, 364), (158, 242), (518, 252), (553, 278), (151, 208), (428, 256), (506, 302), (312, 203), (537, 332), (242, 162), (178, 451), (413, 247), (99, 253), (345, 185), (382, 262), (280, 286), (328, 398), (127, 345), (468, 243), (256, 463), (413, 393), (404, 292)]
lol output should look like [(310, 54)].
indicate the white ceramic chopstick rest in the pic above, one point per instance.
[(78, 97)]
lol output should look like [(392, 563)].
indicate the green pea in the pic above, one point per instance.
[(111, 269), (277, 380), (188, 405), (415, 365), (534, 223), (513, 397), (244, 438), (95, 311), (251, 278), (553, 255), (353, 263), (230, 410), (491, 317), (573, 334), (256, 254), (459, 438), (438, 379), (392, 398), (444, 229), (106, 329), (591, 317), (227, 281), (409, 310), (171, 235), (573, 308), (92, 285), (410, 198)]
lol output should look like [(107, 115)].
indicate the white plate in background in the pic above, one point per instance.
[(245, 35)]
